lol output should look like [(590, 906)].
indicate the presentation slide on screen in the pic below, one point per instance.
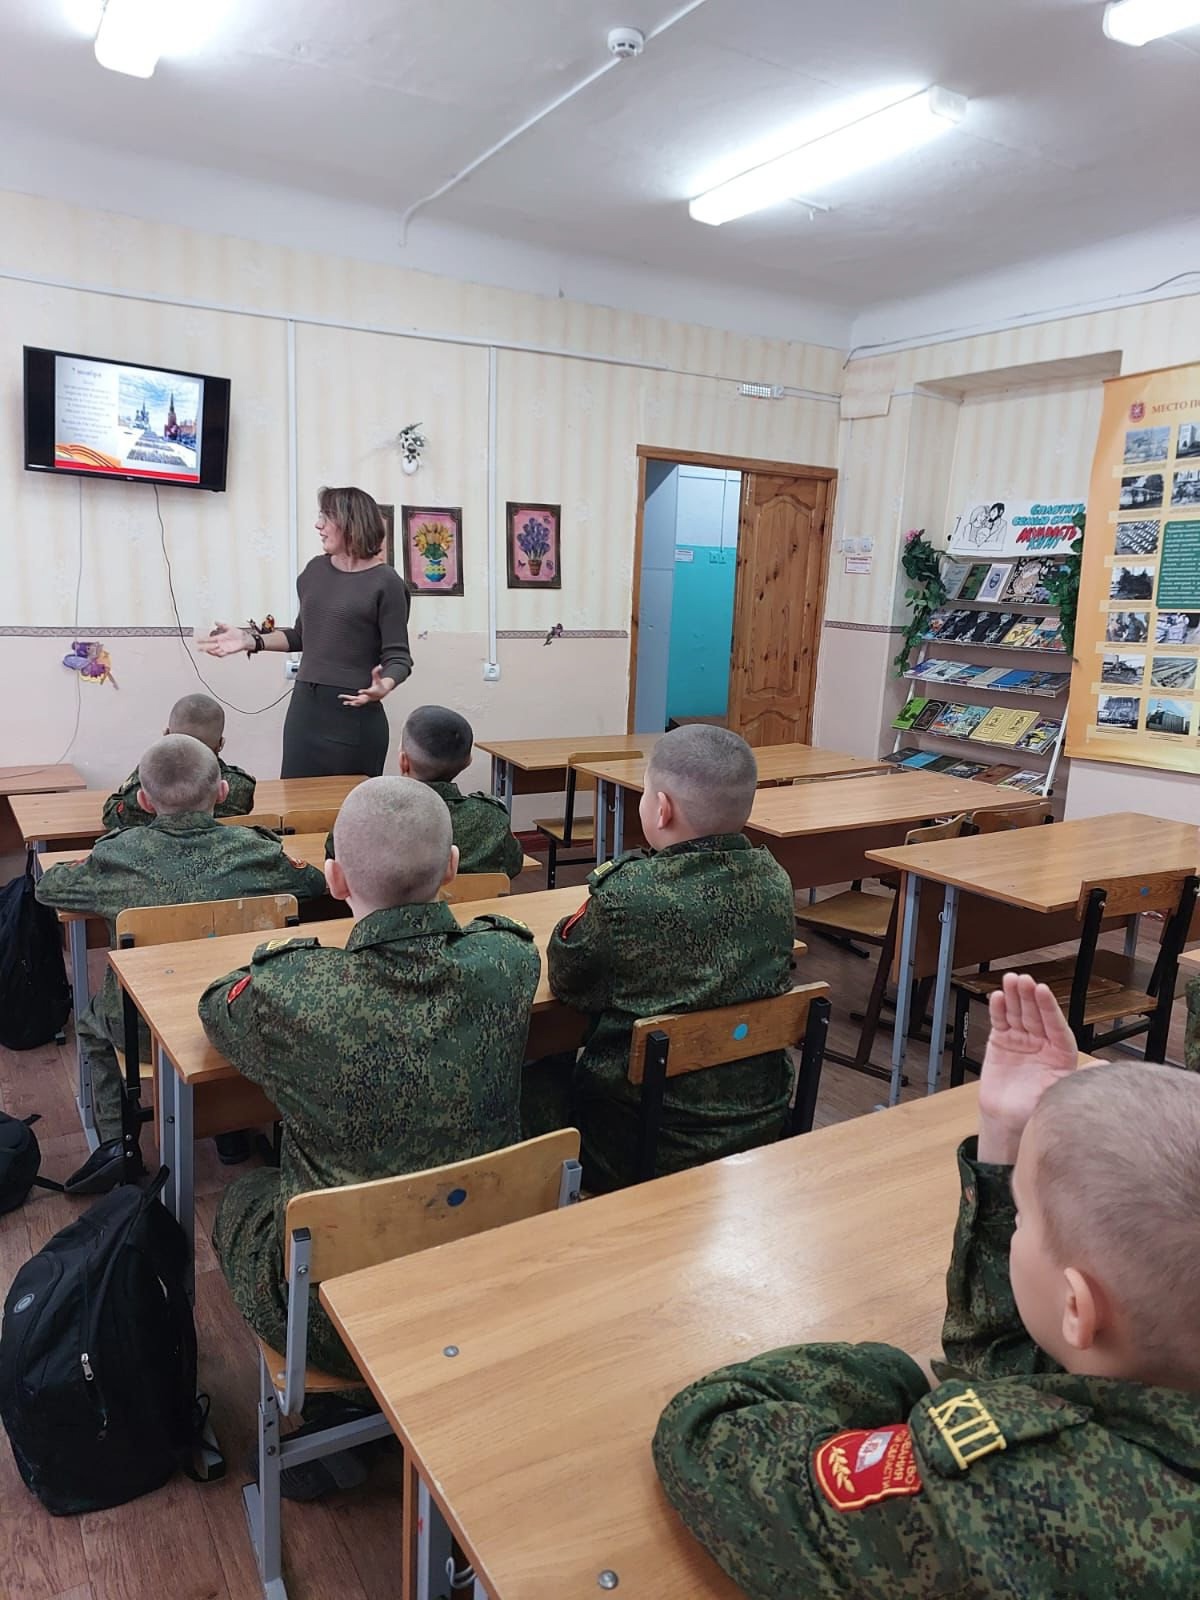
[(127, 420)]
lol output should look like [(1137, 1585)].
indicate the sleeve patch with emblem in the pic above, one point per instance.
[(242, 983), (863, 1466)]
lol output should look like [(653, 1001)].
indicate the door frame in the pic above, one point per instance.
[(744, 465)]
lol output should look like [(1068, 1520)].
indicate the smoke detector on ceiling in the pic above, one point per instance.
[(625, 43)]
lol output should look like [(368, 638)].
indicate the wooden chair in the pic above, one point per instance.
[(470, 886), (562, 832), (317, 820), (871, 919), (689, 1041), (1101, 986), (1004, 821), (254, 819), (194, 919), (332, 1232)]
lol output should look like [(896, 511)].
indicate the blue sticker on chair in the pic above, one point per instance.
[(1145, 889), (742, 1029), (456, 1197)]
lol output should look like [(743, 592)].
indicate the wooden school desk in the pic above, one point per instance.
[(200, 1093), (572, 1331), (777, 763), (1039, 870), (820, 832), (539, 766), (77, 816), (30, 780)]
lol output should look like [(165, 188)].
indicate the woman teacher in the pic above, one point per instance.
[(352, 630)]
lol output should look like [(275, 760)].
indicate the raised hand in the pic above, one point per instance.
[(379, 687), (1029, 1048), (224, 640)]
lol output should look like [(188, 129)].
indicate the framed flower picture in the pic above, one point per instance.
[(533, 545), (431, 546)]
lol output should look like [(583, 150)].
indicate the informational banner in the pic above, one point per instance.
[(992, 529), (1134, 691)]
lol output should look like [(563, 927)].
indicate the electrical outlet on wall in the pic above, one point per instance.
[(491, 672), (291, 668)]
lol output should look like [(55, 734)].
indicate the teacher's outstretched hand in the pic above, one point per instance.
[(352, 624)]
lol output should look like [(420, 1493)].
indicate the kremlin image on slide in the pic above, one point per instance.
[(127, 420)]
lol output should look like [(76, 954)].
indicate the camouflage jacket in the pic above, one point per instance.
[(121, 810), (400, 1052), (481, 831), (169, 862), (710, 922), (1191, 1037), (833, 1471)]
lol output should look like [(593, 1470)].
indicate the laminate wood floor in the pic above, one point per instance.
[(188, 1542)]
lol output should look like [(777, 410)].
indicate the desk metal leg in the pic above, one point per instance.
[(433, 1546), (941, 993), (904, 982), (601, 821), (1131, 936), (507, 795), (177, 1151), (618, 819), (77, 947)]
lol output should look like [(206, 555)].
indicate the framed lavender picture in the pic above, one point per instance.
[(534, 560)]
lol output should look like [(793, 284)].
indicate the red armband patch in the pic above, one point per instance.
[(242, 983), (120, 808), (863, 1466), (572, 920)]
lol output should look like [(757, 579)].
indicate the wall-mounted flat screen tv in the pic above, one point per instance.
[(121, 419)]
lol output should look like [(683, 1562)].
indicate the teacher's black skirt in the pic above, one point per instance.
[(322, 738)]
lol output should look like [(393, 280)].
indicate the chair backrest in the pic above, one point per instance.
[(932, 831), (470, 886), (700, 1039), (1002, 821), (584, 783), (254, 819), (1172, 893), (205, 919), (363, 1224), (317, 820), (1133, 895)]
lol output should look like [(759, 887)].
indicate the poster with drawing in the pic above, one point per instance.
[(1140, 584), (1004, 527)]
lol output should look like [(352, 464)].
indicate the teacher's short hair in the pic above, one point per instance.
[(710, 774), (437, 742), (179, 774), (392, 839), (359, 518)]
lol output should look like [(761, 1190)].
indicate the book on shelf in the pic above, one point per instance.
[(919, 758), (908, 713), (1019, 635), (974, 580), (963, 769), (894, 758), (989, 677), (939, 622), (1023, 581), (958, 721), (941, 764), (1049, 683), (1048, 636), (958, 625), (1002, 725), (1027, 781), (934, 670), (933, 710), (1019, 679), (996, 774), (1041, 595), (994, 584), (953, 575), (992, 626), (1040, 736)]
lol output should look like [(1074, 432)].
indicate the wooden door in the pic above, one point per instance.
[(778, 606)]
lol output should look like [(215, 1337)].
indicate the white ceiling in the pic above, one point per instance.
[(1069, 139)]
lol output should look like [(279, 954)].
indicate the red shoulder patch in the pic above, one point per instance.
[(120, 808), (572, 920), (299, 865), (863, 1466), (242, 983)]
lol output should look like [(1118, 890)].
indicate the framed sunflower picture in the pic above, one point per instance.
[(431, 549), (533, 545)]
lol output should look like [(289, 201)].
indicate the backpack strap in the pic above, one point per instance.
[(36, 1116)]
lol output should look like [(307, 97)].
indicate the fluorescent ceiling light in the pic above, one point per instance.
[(132, 34), (867, 142), (1139, 21)]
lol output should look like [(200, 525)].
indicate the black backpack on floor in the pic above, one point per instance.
[(20, 1158), (98, 1357), (35, 998)]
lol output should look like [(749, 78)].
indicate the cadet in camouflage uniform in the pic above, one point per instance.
[(1191, 1037), (435, 746), (202, 717), (706, 920), (183, 854), (832, 1471), (400, 1052)]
